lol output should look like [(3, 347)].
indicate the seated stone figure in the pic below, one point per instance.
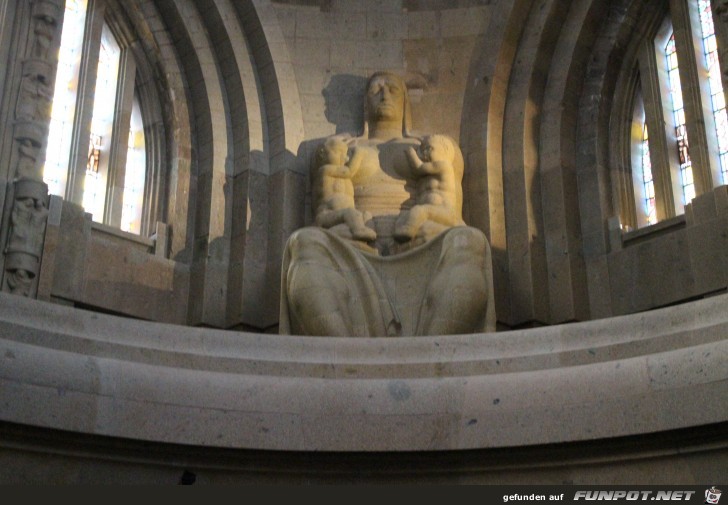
[(436, 280), (437, 183), (333, 191)]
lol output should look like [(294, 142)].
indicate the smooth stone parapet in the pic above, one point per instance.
[(69, 369)]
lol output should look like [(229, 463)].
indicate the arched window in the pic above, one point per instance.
[(679, 111), (96, 146), (717, 97)]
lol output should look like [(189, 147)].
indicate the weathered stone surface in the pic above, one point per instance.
[(67, 369)]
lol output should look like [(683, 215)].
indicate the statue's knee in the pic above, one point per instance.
[(466, 239), (306, 241)]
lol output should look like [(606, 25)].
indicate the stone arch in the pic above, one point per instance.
[(557, 163), (151, 89), (652, 15), (595, 191), (537, 111), (237, 78), (277, 81), (164, 77), (521, 176), (482, 137), (518, 140), (284, 187)]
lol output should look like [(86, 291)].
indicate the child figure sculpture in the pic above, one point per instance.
[(333, 190), (436, 197)]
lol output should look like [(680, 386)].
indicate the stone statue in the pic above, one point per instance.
[(438, 192), (333, 190), (390, 255)]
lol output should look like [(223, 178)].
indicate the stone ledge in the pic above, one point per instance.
[(40, 456), (67, 369)]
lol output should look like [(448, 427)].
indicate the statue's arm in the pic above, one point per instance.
[(426, 168), (413, 159), (357, 156), (338, 171)]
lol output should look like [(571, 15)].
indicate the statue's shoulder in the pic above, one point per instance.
[(418, 139), (440, 137)]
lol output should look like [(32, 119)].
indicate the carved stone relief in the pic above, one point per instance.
[(25, 242), (29, 210), (46, 14), (36, 95)]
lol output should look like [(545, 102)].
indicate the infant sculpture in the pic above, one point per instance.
[(390, 254)]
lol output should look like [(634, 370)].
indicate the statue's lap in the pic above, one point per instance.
[(399, 282)]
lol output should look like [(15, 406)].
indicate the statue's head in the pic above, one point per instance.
[(437, 147), (334, 150), (386, 100)]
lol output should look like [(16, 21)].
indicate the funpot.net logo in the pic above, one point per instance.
[(633, 495)]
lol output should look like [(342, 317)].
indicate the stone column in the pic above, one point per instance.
[(26, 209)]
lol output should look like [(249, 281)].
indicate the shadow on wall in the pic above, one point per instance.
[(344, 96), (344, 108)]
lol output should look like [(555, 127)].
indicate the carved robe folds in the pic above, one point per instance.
[(399, 295)]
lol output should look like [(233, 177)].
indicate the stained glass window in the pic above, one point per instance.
[(648, 184), (710, 49), (102, 122), (136, 167), (693, 30), (678, 111), (64, 97), (92, 187), (109, 101)]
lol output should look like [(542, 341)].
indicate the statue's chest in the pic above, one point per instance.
[(384, 161)]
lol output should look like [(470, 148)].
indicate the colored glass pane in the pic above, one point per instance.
[(63, 111), (710, 50), (686, 169)]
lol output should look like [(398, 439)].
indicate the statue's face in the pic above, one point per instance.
[(385, 99)]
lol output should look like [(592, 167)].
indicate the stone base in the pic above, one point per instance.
[(98, 398)]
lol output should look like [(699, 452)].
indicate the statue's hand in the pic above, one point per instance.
[(413, 157), (335, 144), (355, 160)]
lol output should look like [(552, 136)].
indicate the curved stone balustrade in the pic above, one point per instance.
[(68, 369)]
